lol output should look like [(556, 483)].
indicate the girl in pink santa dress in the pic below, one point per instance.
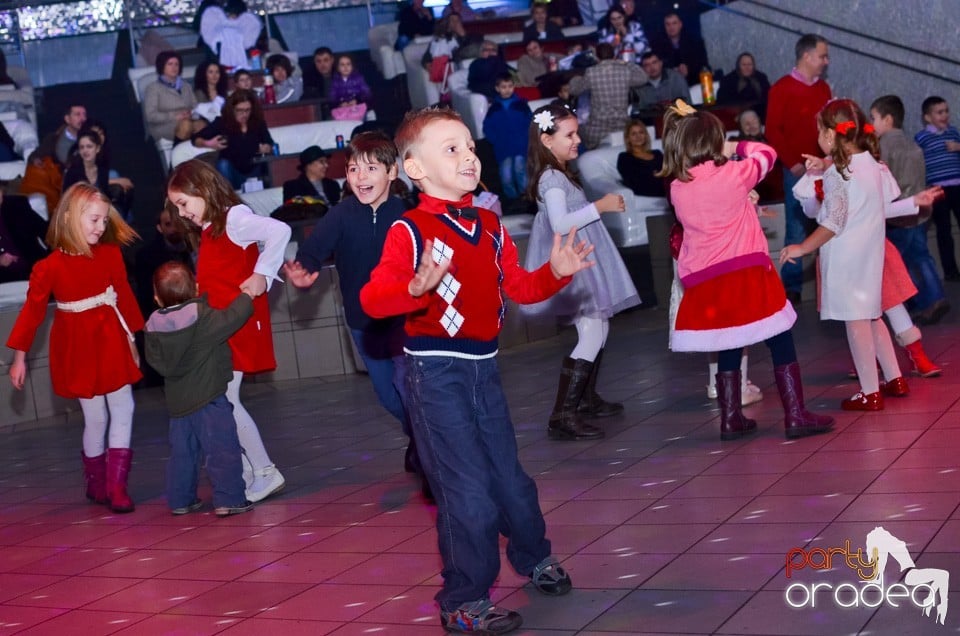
[(733, 296)]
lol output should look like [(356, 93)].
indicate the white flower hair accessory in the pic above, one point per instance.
[(544, 120)]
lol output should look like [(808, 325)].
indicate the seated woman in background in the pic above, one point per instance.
[(210, 87), (746, 85), (750, 127), (532, 64), (287, 85), (617, 29), (168, 103), (639, 165), (313, 182), (348, 87), (91, 166), (240, 134), (541, 28)]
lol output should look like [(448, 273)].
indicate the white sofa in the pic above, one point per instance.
[(598, 172), (471, 106), (382, 39), (292, 139), (24, 134)]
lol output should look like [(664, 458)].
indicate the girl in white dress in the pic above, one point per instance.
[(858, 192), (595, 294)]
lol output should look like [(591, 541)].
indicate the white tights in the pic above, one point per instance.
[(592, 334), (115, 408), (247, 430), (869, 342)]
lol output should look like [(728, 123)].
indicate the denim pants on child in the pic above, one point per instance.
[(513, 176), (382, 353), (209, 432), (911, 242), (795, 231), (468, 450)]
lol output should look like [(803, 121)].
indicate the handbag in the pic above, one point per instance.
[(438, 68), (355, 112)]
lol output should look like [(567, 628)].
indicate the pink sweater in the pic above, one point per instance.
[(721, 231)]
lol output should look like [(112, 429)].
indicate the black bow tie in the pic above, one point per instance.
[(467, 213)]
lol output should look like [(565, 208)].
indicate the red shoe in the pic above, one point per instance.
[(864, 402), (896, 387), (922, 364)]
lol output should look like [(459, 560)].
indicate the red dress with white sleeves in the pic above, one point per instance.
[(89, 350), (221, 266)]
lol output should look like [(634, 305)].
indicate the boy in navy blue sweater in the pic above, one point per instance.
[(940, 143), (506, 126), (353, 233)]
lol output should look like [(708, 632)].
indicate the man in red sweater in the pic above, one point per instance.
[(447, 265), (792, 106)]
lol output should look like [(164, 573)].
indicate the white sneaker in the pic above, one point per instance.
[(750, 393), (712, 391), (266, 481)]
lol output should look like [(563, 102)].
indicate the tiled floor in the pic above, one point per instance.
[(664, 528)]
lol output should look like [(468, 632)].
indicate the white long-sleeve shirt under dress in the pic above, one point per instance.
[(597, 292), (855, 210)]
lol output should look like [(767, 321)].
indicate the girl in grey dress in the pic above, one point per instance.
[(594, 294)]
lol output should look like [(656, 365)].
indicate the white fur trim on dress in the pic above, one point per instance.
[(688, 340)]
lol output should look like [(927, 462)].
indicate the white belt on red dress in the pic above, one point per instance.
[(107, 298)]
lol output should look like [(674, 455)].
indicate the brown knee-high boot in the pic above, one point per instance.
[(798, 421), (564, 422), (733, 423), (95, 474), (591, 404), (118, 469)]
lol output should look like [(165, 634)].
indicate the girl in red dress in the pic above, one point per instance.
[(229, 262), (92, 357)]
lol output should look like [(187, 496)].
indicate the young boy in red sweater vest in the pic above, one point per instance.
[(447, 266)]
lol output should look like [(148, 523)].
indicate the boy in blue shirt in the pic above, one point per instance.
[(353, 233), (506, 127), (940, 143)]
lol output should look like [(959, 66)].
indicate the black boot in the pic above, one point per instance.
[(564, 422), (733, 424), (591, 404)]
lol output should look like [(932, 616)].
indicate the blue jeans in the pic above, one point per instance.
[(795, 232), (513, 175), (234, 176), (911, 242), (382, 353), (210, 432), (468, 450)]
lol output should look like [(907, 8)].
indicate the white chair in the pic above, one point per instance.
[(471, 106), (263, 202), (422, 91), (387, 59), (599, 175)]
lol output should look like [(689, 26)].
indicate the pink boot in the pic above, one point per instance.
[(118, 468), (95, 474)]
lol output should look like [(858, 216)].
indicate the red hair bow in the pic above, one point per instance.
[(869, 129), (844, 127), (818, 189)]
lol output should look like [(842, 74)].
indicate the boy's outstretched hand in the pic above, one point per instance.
[(428, 274), (568, 258), (298, 276)]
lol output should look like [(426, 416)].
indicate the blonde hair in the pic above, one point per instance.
[(65, 232), (690, 140), (414, 123), (840, 111), (635, 123)]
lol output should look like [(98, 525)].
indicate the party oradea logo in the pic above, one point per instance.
[(923, 588)]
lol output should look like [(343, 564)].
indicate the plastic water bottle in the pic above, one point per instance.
[(269, 94), (706, 86)]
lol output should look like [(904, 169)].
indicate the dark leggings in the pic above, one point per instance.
[(781, 350)]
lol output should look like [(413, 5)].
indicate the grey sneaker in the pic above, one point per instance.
[(480, 617), (226, 511), (185, 510), (550, 578)]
